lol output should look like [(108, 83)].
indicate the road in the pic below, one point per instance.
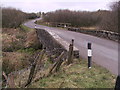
[(105, 52)]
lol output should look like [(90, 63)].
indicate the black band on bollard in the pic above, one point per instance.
[(117, 85), (89, 62), (89, 45)]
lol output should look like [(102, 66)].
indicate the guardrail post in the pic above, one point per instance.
[(89, 55), (56, 65)]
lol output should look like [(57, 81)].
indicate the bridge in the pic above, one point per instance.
[(105, 52)]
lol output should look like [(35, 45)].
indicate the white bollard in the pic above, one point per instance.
[(89, 55)]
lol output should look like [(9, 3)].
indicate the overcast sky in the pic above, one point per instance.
[(51, 5)]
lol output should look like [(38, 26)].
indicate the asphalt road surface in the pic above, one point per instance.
[(104, 52)]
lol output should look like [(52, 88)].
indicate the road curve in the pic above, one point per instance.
[(105, 52)]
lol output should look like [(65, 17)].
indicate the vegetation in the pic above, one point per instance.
[(107, 20), (18, 46), (13, 61), (12, 39), (13, 18), (77, 75), (25, 28), (76, 18), (110, 19), (32, 16)]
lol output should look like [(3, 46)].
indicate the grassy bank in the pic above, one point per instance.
[(25, 28), (18, 46), (77, 75)]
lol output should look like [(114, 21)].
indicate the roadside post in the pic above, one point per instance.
[(35, 26), (70, 52), (89, 55), (117, 84), (72, 42)]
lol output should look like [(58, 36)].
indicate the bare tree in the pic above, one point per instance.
[(76, 18), (12, 17), (110, 20)]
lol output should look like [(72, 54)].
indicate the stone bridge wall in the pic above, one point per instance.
[(49, 42), (100, 33)]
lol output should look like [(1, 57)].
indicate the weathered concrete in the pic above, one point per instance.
[(53, 42)]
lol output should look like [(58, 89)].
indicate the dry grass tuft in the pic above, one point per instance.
[(13, 61), (32, 40)]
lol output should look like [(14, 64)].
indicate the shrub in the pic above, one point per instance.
[(110, 19), (13, 18), (76, 18)]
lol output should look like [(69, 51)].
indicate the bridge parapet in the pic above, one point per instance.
[(100, 33), (54, 43)]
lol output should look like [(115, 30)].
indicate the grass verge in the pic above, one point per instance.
[(25, 28), (77, 75)]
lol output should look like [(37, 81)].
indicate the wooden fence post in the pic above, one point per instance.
[(5, 76), (11, 82), (73, 42), (30, 75), (33, 68), (70, 53), (39, 61), (56, 66)]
